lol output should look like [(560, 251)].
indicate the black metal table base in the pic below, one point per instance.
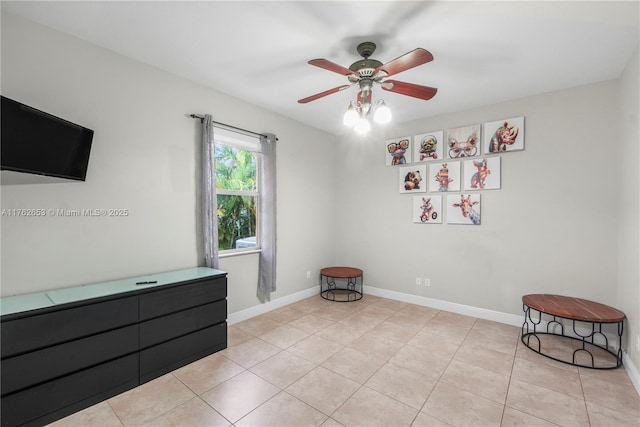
[(531, 338), (351, 291)]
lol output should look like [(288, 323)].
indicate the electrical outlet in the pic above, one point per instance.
[(418, 281), (427, 281), (308, 274)]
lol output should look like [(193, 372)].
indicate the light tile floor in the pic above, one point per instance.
[(373, 362)]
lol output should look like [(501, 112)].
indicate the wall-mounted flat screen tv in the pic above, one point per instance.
[(39, 143)]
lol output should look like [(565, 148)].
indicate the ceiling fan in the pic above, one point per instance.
[(367, 71)]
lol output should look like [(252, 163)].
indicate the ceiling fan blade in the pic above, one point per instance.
[(322, 94), (405, 62), (332, 66), (409, 89)]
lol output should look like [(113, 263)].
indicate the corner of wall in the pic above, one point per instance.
[(628, 195)]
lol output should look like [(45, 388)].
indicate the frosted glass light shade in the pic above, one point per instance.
[(351, 116), (382, 114)]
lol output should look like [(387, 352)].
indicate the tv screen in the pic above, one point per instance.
[(36, 142)]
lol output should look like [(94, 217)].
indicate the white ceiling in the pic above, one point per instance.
[(485, 52)]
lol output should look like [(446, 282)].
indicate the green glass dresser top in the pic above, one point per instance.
[(37, 300)]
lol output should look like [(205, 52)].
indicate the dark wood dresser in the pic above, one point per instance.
[(67, 349)]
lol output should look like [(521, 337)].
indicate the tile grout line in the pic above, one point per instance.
[(584, 399), (377, 370), (316, 365), (115, 413), (444, 370), (513, 363)]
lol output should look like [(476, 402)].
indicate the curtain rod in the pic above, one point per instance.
[(201, 118)]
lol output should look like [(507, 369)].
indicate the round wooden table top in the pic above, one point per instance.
[(573, 308), (341, 272)]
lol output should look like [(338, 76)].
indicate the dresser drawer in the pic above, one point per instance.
[(39, 331), (173, 299), (173, 354), (33, 368), (184, 322), (106, 380)]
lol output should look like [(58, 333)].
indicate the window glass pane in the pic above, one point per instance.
[(235, 169), (236, 222)]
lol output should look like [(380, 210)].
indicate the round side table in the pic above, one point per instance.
[(341, 292), (575, 320)]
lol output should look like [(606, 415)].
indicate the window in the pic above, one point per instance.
[(237, 160)]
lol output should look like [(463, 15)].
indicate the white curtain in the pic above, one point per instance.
[(209, 201), (267, 213)]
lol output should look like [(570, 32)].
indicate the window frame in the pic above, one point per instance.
[(243, 142)]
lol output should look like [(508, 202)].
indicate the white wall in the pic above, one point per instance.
[(144, 158), (553, 227), (628, 177), (550, 229)]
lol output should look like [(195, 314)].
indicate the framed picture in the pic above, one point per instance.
[(398, 151), (427, 209), (482, 173), (463, 209), (463, 142), (412, 179), (504, 135), (444, 176), (428, 146)]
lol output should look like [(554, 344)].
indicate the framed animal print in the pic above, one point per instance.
[(463, 142), (482, 173), (444, 176), (398, 151), (504, 135), (427, 209), (428, 146), (463, 209), (412, 179)]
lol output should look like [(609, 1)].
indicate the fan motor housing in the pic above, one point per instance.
[(365, 67)]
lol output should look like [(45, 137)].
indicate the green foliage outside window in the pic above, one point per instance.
[(236, 186)]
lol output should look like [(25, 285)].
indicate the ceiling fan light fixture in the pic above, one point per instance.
[(368, 71), (351, 116), (382, 113)]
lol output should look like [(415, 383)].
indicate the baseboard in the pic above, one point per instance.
[(467, 310), (257, 310), (632, 370)]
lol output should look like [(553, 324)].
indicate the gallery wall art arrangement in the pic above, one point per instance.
[(463, 160)]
